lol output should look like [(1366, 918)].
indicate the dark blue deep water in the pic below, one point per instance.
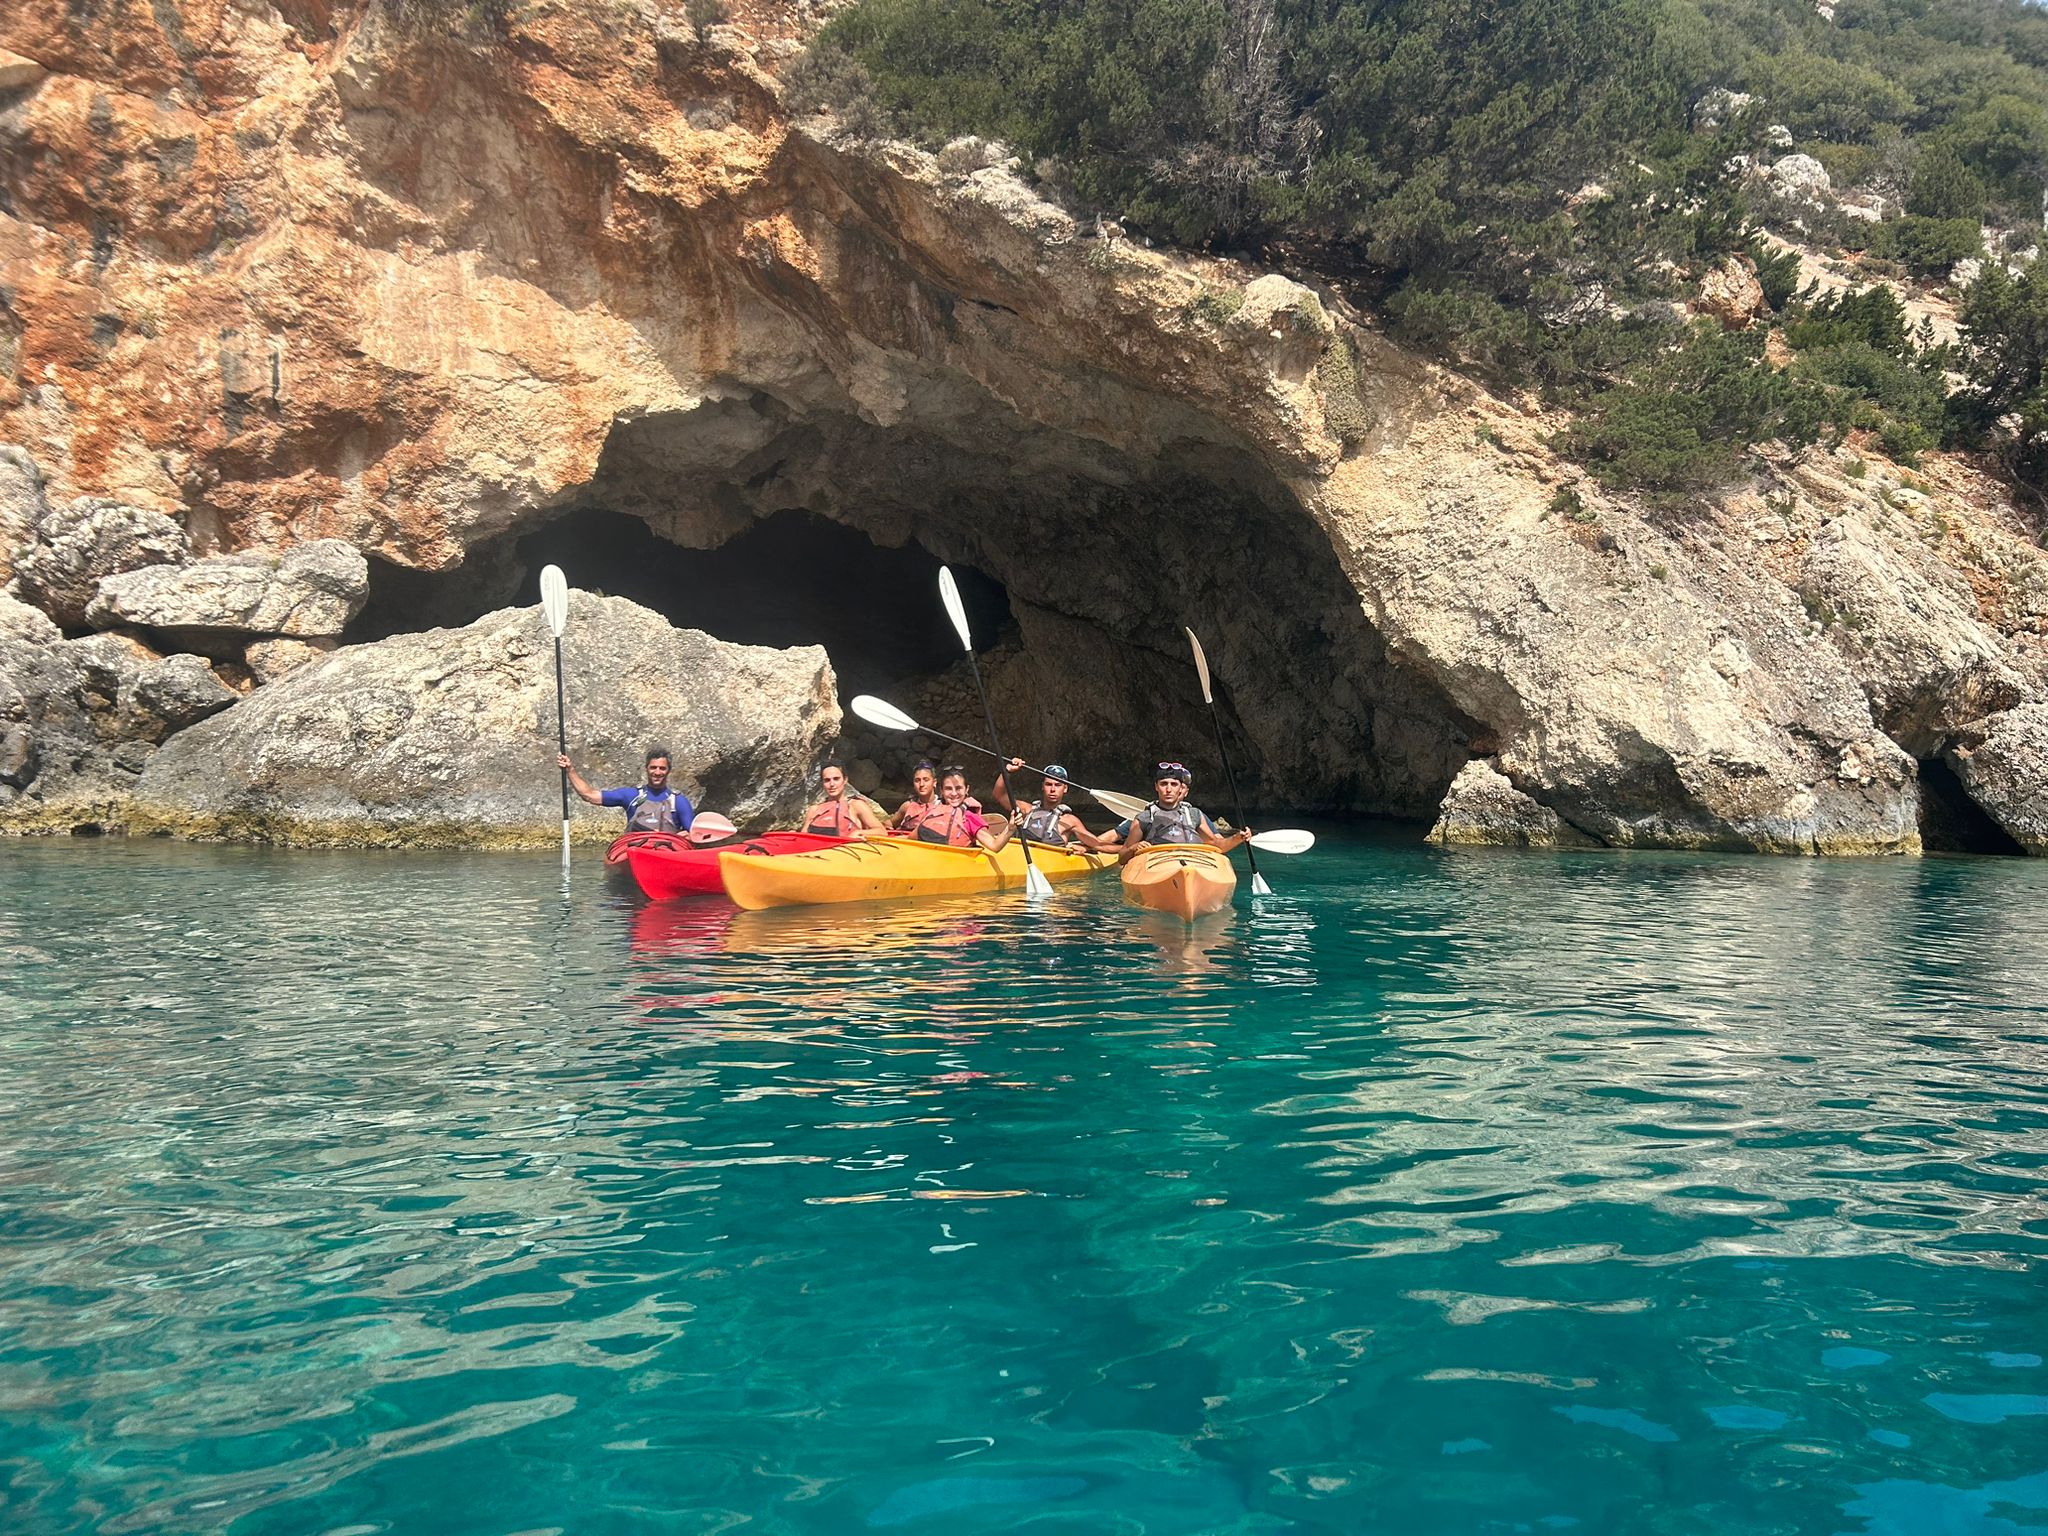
[(1467, 1192)]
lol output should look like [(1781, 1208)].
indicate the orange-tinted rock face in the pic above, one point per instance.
[(293, 275)]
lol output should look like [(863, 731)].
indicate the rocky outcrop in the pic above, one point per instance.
[(79, 719), (2003, 762), (448, 737), (1483, 807), (310, 592), (80, 544), (428, 298), (1731, 294)]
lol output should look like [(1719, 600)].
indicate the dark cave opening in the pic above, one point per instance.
[(1952, 822), (791, 579)]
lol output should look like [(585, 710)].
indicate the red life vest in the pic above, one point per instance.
[(956, 831), (824, 827)]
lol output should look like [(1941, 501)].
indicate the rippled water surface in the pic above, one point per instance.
[(1470, 1192)]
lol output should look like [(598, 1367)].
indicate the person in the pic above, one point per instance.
[(924, 799), (954, 823), (843, 812), (1051, 820), (1168, 819), (655, 806)]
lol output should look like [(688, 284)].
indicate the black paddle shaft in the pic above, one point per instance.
[(561, 726), (989, 719), (1236, 800)]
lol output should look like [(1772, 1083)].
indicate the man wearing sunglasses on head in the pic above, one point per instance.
[(1168, 819)]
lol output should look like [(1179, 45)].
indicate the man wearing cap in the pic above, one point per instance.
[(1168, 819), (1050, 821)]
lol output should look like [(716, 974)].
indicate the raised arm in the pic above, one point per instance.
[(576, 781), (1001, 792)]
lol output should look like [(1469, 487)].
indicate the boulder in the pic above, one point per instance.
[(1731, 294), (448, 737), (1483, 807), (2003, 762), (268, 660), (79, 718), (311, 591), (79, 545), (22, 506), (1801, 177)]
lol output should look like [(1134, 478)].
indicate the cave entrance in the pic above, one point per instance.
[(791, 579)]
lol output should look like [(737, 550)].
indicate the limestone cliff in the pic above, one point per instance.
[(289, 273)]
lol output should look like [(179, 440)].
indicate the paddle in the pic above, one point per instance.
[(880, 712), (554, 603), (1259, 886), (1035, 884)]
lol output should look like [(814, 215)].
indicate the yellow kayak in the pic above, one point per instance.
[(888, 868), (1184, 879)]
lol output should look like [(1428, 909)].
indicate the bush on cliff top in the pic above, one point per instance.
[(1522, 188)]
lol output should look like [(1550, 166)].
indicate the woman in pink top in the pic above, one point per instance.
[(953, 823)]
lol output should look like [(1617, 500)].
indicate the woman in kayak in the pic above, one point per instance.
[(843, 812), (1168, 819), (954, 823), (924, 799)]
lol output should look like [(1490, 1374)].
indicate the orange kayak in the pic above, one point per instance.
[(1184, 879)]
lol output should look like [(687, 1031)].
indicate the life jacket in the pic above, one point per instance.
[(649, 812), (1182, 824), (846, 825), (1043, 825), (956, 832), (921, 815)]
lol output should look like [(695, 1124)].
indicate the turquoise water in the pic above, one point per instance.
[(1446, 1193)]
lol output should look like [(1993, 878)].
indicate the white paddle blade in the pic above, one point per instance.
[(554, 599), (710, 827), (1035, 883), (565, 845), (880, 712), (1259, 886), (1122, 805), (1201, 668), (1286, 840), (949, 594)]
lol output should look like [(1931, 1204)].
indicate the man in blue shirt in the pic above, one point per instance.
[(653, 807)]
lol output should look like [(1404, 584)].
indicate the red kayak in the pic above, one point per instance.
[(618, 873), (666, 866)]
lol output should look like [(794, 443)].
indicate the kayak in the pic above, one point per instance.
[(618, 873), (1184, 879), (890, 868), (676, 867)]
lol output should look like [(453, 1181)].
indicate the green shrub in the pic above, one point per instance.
[(1688, 421), (1943, 188), (1928, 246)]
